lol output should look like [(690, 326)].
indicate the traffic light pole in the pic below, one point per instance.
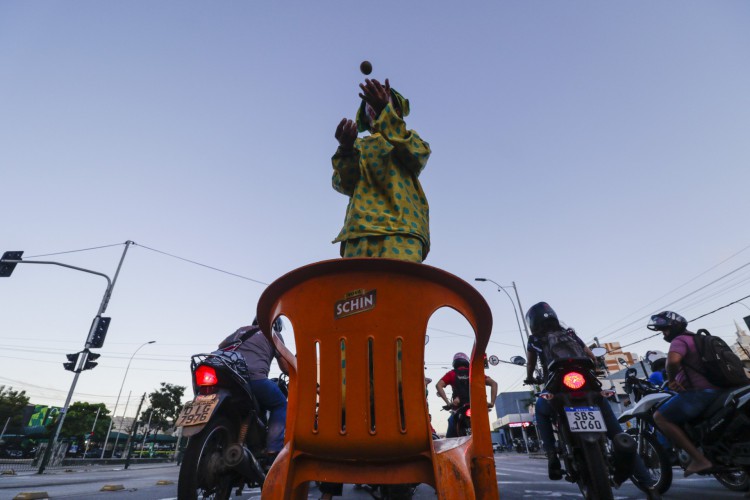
[(85, 353)]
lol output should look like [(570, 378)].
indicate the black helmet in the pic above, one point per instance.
[(658, 364), (542, 318), (277, 324), (668, 322)]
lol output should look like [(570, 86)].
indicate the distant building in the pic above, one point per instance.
[(742, 347), (515, 416), (614, 355)]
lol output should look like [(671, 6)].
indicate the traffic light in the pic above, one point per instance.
[(98, 331), (90, 361), (72, 361), (6, 269)]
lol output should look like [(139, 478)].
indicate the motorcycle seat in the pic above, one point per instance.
[(585, 363), (724, 399)]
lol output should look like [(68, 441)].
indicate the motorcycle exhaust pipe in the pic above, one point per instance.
[(239, 458), (625, 450)]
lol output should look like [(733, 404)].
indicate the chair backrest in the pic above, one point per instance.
[(359, 328)]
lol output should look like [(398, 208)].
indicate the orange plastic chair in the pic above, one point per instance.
[(359, 329)]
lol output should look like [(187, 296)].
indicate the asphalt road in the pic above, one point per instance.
[(518, 477)]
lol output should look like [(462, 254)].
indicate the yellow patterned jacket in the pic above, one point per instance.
[(381, 177)]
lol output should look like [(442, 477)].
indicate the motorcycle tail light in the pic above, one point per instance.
[(468, 412), (574, 380), (206, 375)]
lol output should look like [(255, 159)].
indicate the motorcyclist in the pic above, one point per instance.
[(658, 370), (694, 392), (258, 353), (542, 321), (458, 379)]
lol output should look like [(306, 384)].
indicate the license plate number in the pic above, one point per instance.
[(585, 419), (198, 411)]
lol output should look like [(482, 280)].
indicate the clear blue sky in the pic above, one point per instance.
[(594, 153)]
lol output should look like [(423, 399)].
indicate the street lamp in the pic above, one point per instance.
[(515, 310), (95, 338), (117, 402)]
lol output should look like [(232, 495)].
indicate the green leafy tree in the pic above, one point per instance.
[(12, 404), (166, 403), (79, 420)]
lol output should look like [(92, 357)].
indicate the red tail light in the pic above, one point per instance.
[(574, 380), (468, 413), (205, 375)]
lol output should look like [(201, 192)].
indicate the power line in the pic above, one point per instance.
[(674, 289), (73, 251), (677, 300), (202, 265)]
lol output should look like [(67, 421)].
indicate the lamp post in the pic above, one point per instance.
[(117, 402), (515, 310), (98, 328)]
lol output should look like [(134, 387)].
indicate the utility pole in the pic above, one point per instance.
[(132, 431), (83, 357), (523, 316), (91, 436), (119, 427)]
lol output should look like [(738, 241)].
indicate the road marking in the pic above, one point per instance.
[(524, 471)]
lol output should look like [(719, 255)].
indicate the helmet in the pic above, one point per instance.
[(277, 325), (460, 359), (542, 318), (668, 322), (658, 364)]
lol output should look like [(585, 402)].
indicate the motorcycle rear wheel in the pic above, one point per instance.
[(202, 473), (735, 481), (594, 484)]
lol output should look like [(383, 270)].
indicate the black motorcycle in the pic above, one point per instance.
[(722, 431), (463, 418), (227, 429), (588, 459)]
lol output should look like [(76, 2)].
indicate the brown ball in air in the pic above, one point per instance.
[(365, 67)]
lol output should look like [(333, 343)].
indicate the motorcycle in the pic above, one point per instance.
[(722, 431), (588, 459), (463, 418), (227, 429)]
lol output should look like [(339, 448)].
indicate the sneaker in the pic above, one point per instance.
[(554, 469)]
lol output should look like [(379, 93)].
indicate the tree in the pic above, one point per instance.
[(12, 404), (80, 418), (166, 403)]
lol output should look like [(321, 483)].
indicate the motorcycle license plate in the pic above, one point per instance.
[(198, 411), (585, 419)]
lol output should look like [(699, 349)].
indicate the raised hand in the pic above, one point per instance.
[(346, 133), (375, 94)]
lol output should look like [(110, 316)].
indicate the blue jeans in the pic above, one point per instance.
[(271, 398), (686, 406), (451, 432), (544, 414)]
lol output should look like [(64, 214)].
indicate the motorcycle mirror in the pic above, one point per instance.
[(494, 360), (599, 351), (518, 360)]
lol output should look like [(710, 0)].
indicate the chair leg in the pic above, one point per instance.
[(452, 476), (278, 484)]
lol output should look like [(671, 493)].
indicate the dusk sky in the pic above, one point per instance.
[(596, 153)]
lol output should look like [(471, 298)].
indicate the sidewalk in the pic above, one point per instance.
[(63, 476)]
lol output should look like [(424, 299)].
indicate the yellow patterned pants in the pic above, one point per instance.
[(396, 246)]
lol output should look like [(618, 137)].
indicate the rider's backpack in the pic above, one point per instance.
[(461, 388), (562, 344), (721, 366)]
